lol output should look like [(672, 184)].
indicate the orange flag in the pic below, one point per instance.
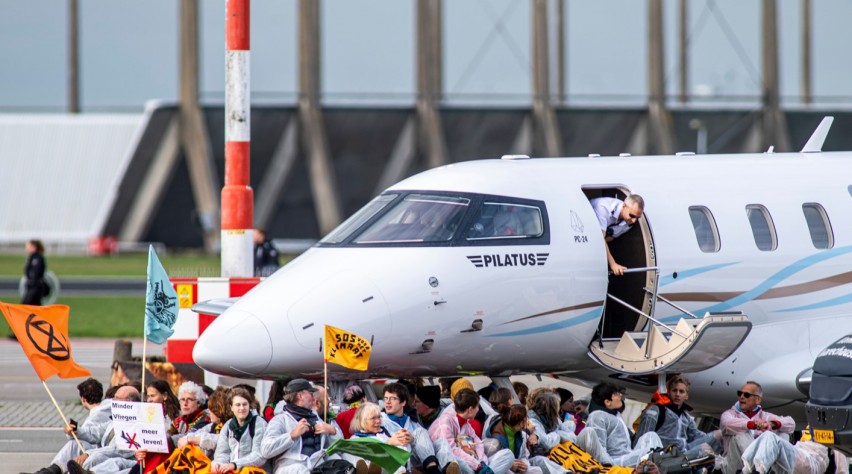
[(43, 334)]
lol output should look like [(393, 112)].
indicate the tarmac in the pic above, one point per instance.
[(30, 424)]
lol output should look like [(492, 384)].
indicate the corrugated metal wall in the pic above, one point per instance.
[(71, 178), (60, 173)]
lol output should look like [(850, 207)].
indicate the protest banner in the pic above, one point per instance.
[(139, 425), (192, 460), (574, 459)]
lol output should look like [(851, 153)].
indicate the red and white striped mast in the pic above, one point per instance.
[(237, 195)]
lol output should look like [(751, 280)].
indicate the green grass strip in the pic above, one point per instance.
[(97, 316)]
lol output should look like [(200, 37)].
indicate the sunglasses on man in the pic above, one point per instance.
[(746, 395)]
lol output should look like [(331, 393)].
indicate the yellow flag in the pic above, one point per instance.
[(347, 349)]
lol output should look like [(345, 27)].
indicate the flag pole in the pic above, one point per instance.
[(325, 379), (73, 433), (144, 350)]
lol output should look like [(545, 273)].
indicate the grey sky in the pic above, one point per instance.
[(130, 51)]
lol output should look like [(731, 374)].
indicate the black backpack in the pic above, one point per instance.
[(334, 466), (670, 460)]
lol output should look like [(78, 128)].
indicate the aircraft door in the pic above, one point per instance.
[(634, 250)]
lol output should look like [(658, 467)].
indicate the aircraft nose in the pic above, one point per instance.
[(236, 343)]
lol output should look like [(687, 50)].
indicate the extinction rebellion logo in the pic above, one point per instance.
[(162, 306), (508, 260)]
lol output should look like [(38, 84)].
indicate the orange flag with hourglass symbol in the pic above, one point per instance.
[(43, 334)]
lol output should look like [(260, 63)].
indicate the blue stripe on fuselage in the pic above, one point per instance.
[(579, 319)]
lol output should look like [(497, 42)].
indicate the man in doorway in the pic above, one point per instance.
[(615, 218)]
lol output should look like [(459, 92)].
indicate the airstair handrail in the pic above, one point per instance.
[(641, 269), (631, 308), (664, 300)]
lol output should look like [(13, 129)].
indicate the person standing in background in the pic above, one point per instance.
[(35, 288), (265, 255)]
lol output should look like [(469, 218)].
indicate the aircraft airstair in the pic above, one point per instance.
[(693, 344)]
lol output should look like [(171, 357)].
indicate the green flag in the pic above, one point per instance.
[(373, 450)]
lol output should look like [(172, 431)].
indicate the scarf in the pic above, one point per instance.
[(370, 435), (193, 421), (510, 436), (299, 412), (400, 420), (239, 430)]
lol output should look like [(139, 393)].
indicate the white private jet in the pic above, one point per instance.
[(741, 271)]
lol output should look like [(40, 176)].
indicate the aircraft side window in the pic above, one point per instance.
[(762, 227), (706, 232), (506, 221), (818, 225)]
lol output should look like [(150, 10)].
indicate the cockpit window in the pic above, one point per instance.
[(417, 218), (358, 219), (506, 221)]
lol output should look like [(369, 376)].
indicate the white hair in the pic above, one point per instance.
[(193, 388), (635, 199)]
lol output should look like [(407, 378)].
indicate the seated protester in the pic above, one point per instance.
[(500, 399), (521, 390), (255, 403), (770, 452), (669, 418), (295, 439), (743, 423), (509, 430), (207, 392), (567, 410), (395, 420), (548, 428), (241, 436), (207, 436), (453, 427), (322, 405), (276, 394), (367, 423), (606, 437), (353, 397), (543, 414), (412, 386), (159, 391), (482, 414), (192, 413), (581, 408), (90, 432), (486, 391), (566, 401), (107, 459), (427, 402), (446, 384)]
